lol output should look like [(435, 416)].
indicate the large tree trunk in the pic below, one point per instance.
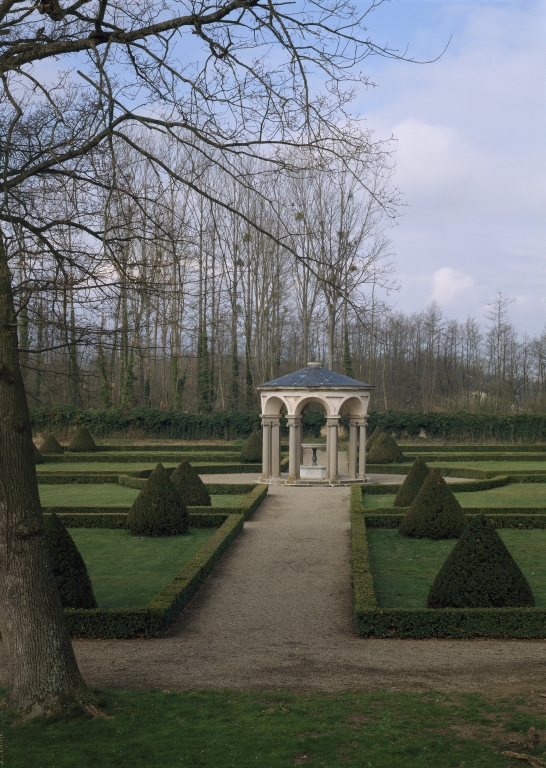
[(44, 676)]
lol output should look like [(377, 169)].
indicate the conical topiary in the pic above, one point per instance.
[(252, 449), (38, 458), (435, 513), (373, 437), (412, 483), (190, 486), (384, 450), (51, 445), (480, 573), (73, 582), (82, 441), (158, 510)]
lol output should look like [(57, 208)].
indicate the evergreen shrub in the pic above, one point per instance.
[(385, 450), (373, 437), (412, 483), (51, 445), (38, 458), (252, 449), (190, 486), (480, 572), (82, 441), (158, 510), (73, 582), (435, 513)]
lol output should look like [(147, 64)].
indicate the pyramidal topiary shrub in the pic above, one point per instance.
[(159, 509), (435, 513), (68, 567), (82, 441), (51, 445), (38, 458), (384, 450), (412, 483), (190, 486), (252, 449), (480, 572), (373, 437)]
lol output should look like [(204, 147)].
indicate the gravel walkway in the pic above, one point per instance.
[(276, 613)]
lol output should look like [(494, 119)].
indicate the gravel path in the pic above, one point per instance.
[(276, 613)]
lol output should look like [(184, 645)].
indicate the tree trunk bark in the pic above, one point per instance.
[(44, 677)]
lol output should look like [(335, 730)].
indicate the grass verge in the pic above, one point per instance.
[(404, 569), (128, 571), (233, 729)]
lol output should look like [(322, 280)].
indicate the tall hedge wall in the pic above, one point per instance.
[(228, 425)]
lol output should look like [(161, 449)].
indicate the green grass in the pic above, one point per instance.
[(233, 729), (120, 467), (515, 495), (503, 467), (126, 571), (404, 569), (109, 494)]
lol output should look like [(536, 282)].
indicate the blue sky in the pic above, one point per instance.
[(470, 149)]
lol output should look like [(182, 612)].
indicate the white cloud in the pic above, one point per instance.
[(447, 282)]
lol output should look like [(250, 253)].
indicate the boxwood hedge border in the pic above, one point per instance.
[(420, 623), (155, 618)]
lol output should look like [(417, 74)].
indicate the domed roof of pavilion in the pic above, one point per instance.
[(315, 376)]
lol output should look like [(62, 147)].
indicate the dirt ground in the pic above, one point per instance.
[(276, 613)]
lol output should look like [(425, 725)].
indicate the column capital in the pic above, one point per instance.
[(294, 421), (269, 421), (358, 421), (332, 421)]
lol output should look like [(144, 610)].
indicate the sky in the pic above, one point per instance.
[(470, 149)]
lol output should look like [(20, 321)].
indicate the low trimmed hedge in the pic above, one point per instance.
[(456, 457), (155, 618), (128, 458), (116, 516), (419, 623), (67, 479), (478, 485), (524, 522), (470, 448)]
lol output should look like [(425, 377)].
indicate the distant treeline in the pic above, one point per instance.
[(230, 425)]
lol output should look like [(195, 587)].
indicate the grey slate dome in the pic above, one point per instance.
[(314, 375)]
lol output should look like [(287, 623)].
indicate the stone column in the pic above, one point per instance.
[(276, 446), (332, 422), (294, 423), (353, 447), (266, 448), (362, 457)]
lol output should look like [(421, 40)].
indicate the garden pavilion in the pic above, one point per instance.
[(337, 394)]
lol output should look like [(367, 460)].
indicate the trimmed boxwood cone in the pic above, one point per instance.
[(412, 483), (73, 582), (190, 486), (82, 441), (252, 449), (38, 458), (384, 450), (373, 437), (51, 445), (435, 513), (159, 509), (480, 572)]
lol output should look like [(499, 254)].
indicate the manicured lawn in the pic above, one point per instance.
[(516, 495), (108, 494), (404, 569), (503, 467), (126, 571), (233, 729)]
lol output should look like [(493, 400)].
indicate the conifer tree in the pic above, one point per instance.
[(480, 572), (435, 513), (67, 564), (252, 449), (190, 486), (385, 450), (51, 445), (412, 483), (158, 510), (82, 441)]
